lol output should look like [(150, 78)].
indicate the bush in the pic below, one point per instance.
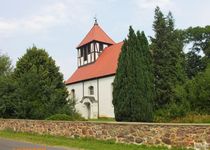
[(171, 112), (65, 117), (78, 117), (179, 107), (60, 117), (199, 92)]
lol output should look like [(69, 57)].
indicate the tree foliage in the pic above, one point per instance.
[(7, 99), (193, 96), (198, 92), (5, 65), (168, 58), (195, 63), (199, 38), (40, 90), (7, 87), (133, 84)]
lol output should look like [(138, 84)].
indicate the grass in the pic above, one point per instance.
[(87, 144), (103, 119), (190, 118), (193, 118)]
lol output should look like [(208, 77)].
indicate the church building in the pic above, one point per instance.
[(92, 83)]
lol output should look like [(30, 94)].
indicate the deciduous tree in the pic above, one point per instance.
[(40, 91), (7, 87)]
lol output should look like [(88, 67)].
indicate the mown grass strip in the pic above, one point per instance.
[(87, 144)]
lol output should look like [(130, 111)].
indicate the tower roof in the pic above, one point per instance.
[(96, 34), (105, 65)]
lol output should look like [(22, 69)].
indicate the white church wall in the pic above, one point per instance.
[(89, 83), (102, 91), (94, 106), (78, 88), (81, 107), (106, 108)]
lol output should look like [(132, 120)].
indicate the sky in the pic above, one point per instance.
[(58, 26)]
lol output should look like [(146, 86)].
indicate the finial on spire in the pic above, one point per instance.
[(95, 19)]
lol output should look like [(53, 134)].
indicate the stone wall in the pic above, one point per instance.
[(176, 135)]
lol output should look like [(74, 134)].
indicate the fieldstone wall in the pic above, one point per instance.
[(195, 136)]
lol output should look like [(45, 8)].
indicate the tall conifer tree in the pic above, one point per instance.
[(168, 58), (133, 84)]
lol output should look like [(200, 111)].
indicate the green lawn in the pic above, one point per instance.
[(87, 144)]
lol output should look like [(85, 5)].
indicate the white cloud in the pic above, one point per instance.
[(7, 27), (60, 13)]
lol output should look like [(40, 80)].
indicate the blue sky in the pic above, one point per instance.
[(59, 25)]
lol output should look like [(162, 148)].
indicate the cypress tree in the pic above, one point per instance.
[(133, 84)]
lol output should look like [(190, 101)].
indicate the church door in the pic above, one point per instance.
[(87, 104)]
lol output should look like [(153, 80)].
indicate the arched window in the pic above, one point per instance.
[(73, 93), (91, 90)]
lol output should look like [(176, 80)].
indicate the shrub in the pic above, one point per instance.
[(172, 111), (65, 117), (60, 117), (199, 92), (77, 116), (179, 107)]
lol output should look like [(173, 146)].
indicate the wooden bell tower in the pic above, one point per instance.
[(92, 45)]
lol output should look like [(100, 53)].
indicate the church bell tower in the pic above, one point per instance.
[(92, 45)]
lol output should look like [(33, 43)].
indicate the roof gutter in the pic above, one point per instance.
[(91, 79)]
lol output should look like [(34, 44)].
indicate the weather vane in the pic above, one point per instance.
[(95, 19)]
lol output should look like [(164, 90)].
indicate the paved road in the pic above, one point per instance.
[(6, 144)]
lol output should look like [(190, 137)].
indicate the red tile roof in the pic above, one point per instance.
[(105, 65), (96, 34)]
